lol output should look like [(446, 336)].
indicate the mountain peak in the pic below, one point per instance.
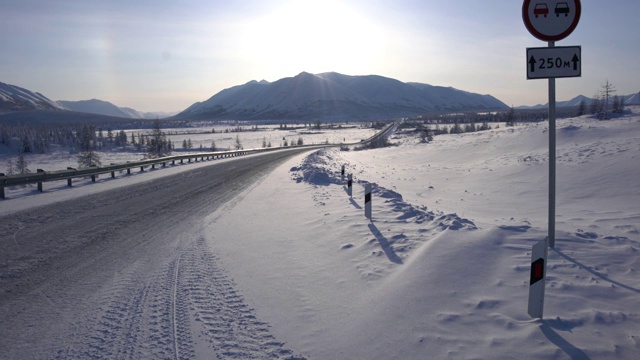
[(334, 96)]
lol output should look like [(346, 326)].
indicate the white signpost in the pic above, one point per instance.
[(550, 21)]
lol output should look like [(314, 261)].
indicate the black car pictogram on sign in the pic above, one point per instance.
[(562, 8)]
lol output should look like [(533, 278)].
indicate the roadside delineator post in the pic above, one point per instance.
[(2, 196), (342, 173), (367, 201), (539, 253), (350, 185)]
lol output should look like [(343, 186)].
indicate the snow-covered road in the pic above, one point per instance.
[(125, 273)]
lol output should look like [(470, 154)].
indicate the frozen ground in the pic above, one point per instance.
[(442, 271)]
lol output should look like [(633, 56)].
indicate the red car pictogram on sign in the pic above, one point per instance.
[(541, 9)]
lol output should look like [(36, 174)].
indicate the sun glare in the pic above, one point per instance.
[(313, 36)]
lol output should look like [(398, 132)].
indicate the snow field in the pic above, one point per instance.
[(442, 271)]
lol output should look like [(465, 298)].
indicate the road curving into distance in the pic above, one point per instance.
[(126, 273)]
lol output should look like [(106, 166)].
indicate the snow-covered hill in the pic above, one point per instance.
[(632, 99), (335, 96), (100, 107), (95, 106), (15, 98)]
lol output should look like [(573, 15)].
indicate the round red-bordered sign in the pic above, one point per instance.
[(551, 20)]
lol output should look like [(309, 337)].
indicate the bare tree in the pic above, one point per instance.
[(582, 108), (607, 91)]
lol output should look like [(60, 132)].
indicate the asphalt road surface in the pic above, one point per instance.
[(125, 273)]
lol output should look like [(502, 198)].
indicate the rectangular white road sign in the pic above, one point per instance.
[(554, 62)]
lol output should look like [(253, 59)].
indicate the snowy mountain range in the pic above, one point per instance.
[(326, 96), (335, 96), (100, 107), (95, 106), (15, 98), (633, 99)]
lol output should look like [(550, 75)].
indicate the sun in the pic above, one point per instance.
[(313, 36)]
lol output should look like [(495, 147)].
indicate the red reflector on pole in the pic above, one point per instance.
[(537, 271)]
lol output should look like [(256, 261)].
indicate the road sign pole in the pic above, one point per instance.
[(552, 159), (550, 62)]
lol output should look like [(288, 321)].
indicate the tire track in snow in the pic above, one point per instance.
[(174, 310), (188, 308), (226, 322)]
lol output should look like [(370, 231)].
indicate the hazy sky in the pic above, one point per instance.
[(160, 55)]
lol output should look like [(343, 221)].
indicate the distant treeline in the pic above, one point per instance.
[(503, 116)]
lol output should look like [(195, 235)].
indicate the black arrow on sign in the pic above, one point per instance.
[(575, 61), (532, 62)]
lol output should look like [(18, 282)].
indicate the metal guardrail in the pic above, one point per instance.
[(42, 176)]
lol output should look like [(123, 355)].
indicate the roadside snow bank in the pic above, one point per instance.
[(409, 285)]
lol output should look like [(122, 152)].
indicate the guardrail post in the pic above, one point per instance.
[(113, 173), (164, 164), (153, 166), (2, 196), (40, 182), (70, 180), (174, 162), (189, 160), (142, 168), (93, 177)]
